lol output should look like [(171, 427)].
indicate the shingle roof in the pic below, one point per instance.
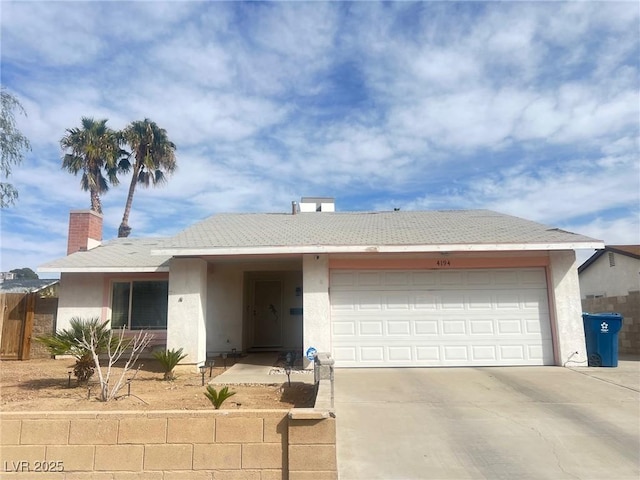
[(255, 233), (122, 254), (366, 229)]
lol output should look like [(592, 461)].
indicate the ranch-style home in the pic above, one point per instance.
[(375, 289)]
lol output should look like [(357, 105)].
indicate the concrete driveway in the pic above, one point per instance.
[(489, 423)]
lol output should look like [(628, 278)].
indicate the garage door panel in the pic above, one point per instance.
[(400, 353), (452, 301), (344, 328), (512, 352), (508, 301), (455, 353), (482, 300), (453, 327), (371, 328), (397, 279), (479, 278), (425, 301), (504, 278), (485, 353), (510, 327), (426, 327), (369, 279), (372, 354), (428, 355), (397, 301), (450, 277), (398, 327), (369, 301), (424, 278), (423, 318), (481, 327), (346, 355)]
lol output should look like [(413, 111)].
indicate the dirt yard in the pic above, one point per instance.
[(43, 384)]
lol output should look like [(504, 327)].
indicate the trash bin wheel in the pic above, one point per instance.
[(595, 360)]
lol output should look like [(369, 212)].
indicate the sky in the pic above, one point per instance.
[(529, 109)]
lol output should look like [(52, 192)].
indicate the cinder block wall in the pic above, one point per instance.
[(44, 322), (165, 445), (629, 307)]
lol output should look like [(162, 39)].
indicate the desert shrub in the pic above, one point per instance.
[(168, 359), (69, 342), (218, 398)]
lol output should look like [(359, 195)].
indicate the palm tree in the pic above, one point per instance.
[(154, 160), (94, 148)]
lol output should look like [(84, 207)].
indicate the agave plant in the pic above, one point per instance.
[(68, 342), (168, 359), (218, 398)]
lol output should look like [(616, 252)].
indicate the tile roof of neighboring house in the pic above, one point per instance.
[(121, 254), (632, 251), (24, 285), (264, 233), (400, 229)]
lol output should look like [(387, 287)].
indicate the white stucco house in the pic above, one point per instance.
[(395, 288), (611, 272)]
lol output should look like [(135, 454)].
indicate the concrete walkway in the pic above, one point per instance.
[(489, 423), (258, 369)]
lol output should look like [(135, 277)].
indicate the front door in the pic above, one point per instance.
[(267, 313)]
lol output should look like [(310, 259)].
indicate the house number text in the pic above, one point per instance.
[(443, 263)]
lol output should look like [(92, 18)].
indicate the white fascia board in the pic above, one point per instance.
[(189, 252), (103, 269)]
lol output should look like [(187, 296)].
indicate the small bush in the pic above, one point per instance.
[(69, 342), (218, 398), (168, 359)]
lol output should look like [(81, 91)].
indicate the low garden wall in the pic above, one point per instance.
[(296, 444)]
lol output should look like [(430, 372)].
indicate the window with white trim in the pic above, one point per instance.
[(139, 305)]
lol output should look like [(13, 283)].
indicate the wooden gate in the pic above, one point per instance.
[(17, 323)]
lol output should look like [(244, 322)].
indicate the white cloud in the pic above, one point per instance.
[(527, 108)]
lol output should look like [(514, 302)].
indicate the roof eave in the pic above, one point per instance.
[(302, 249), (163, 268)]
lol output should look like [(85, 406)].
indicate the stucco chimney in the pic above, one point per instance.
[(85, 231)]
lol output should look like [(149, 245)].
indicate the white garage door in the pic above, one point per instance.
[(440, 317)]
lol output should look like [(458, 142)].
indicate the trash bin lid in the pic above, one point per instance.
[(602, 315)]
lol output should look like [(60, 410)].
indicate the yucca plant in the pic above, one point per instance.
[(168, 359), (218, 398), (68, 342)]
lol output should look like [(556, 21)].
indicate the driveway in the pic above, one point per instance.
[(488, 423)]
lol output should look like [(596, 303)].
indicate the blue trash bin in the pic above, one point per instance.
[(601, 335)]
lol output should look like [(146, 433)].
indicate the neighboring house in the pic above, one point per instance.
[(611, 272), (376, 289), (29, 308), (610, 282)]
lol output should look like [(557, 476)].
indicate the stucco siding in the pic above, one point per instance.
[(565, 288), (187, 308), (601, 279), (317, 311), (224, 309), (80, 295)]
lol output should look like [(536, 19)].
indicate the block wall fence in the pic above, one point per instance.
[(297, 444), (629, 307)]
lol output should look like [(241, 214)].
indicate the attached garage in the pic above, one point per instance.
[(474, 317)]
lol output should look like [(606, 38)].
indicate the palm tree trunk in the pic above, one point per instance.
[(96, 205), (124, 230)]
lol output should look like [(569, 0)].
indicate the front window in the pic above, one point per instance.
[(139, 305)]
